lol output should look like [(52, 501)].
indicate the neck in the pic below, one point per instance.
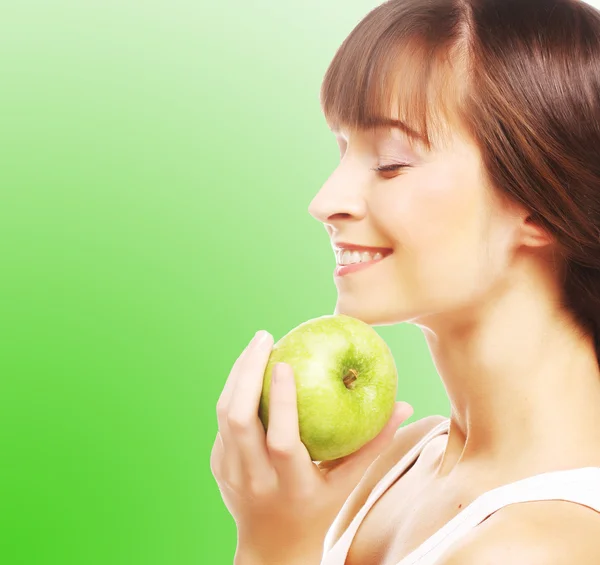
[(523, 384)]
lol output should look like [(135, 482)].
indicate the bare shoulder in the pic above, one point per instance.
[(404, 440), (532, 533)]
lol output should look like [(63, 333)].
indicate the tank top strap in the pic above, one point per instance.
[(336, 554), (581, 486)]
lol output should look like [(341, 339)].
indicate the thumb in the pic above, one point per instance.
[(353, 466)]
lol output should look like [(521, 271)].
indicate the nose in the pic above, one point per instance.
[(341, 198)]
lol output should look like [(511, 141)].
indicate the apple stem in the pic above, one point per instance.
[(350, 377)]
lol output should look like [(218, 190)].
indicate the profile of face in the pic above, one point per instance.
[(452, 239)]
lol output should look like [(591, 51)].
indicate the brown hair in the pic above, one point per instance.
[(522, 79)]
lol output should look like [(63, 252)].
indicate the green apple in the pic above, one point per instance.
[(346, 382)]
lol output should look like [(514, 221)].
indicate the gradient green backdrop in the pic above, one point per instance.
[(157, 160)]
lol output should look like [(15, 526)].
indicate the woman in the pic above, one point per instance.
[(484, 198)]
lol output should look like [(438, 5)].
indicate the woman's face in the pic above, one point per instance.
[(449, 234)]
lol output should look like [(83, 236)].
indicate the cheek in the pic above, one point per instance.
[(439, 227), (433, 213)]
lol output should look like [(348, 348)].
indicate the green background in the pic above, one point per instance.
[(157, 159)]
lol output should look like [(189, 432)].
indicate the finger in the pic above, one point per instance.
[(353, 466), (230, 465), (288, 454), (216, 457), (225, 395), (244, 424)]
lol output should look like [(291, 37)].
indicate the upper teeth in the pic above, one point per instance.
[(349, 257)]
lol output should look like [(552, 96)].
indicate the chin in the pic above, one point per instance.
[(370, 316)]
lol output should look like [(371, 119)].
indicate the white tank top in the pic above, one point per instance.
[(581, 486)]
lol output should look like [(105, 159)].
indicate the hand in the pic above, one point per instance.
[(282, 502)]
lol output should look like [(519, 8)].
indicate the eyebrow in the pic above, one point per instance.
[(381, 122)]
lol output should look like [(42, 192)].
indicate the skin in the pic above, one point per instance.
[(480, 280)]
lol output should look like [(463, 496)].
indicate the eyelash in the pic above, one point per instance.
[(390, 168)]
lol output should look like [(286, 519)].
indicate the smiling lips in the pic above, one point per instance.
[(353, 257)]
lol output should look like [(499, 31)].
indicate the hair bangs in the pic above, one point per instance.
[(391, 75)]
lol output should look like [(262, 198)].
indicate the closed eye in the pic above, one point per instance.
[(390, 168)]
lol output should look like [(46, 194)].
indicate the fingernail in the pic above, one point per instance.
[(261, 337), (409, 409)]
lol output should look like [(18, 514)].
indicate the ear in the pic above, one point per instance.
[(533, 234)]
